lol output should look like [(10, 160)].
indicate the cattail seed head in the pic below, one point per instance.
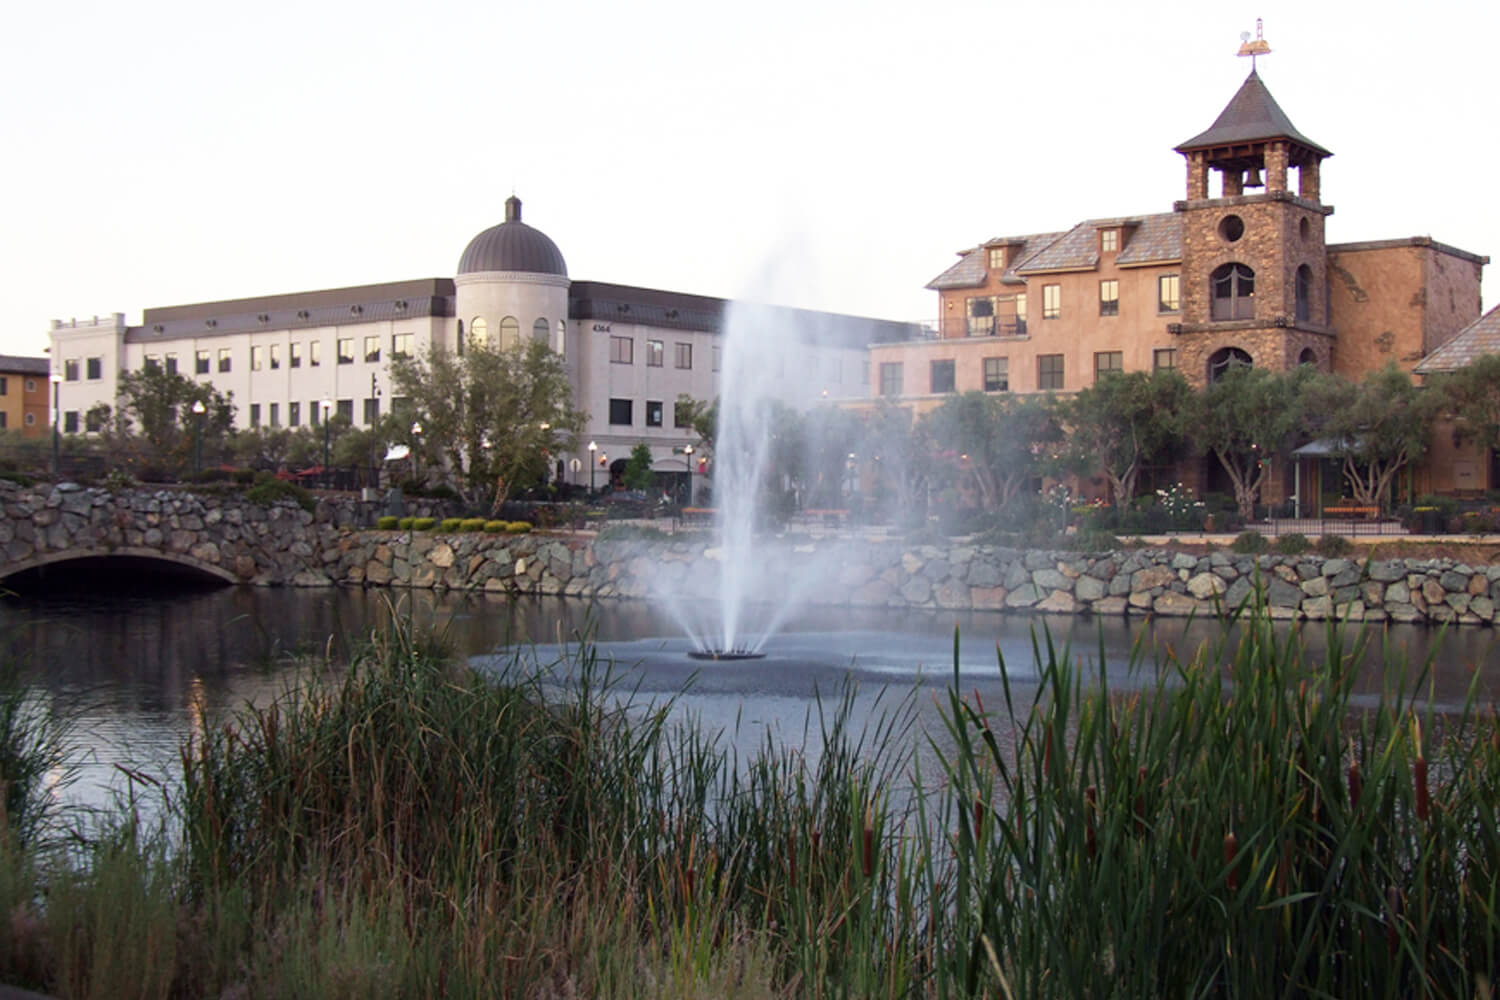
[(1231, 849), (1419, 780), (1091, 803)]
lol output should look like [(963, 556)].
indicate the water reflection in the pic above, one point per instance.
[(143, 670)]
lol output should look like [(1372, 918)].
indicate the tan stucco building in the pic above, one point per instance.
[(23, 395)]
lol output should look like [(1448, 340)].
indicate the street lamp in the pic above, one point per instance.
[(327, 405), (593, 447), (688, 451), (416, 441), (57, 380), (198, 410)]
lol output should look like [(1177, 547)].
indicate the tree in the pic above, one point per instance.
[(897, 450), (1124, 422), (1377, 427), (1473, 395), (160, 403), (1247, 418), (702, 417), (492, 415), (638, 474), (996, 441)]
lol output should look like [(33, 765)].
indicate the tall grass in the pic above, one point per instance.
[(1242, 825)]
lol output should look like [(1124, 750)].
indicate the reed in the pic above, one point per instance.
[(1236, 822)]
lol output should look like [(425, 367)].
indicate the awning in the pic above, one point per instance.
[(1325, 448)]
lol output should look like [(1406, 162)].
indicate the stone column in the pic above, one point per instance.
[(1276, 163)]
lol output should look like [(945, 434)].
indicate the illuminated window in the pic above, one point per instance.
[(257, 358), (997, 259), (1051, 301), (294, 356), (1109, 240), (1168, 293), (479, 331), (400, 345), (345, 347), (1109, 298), (314, 353), (510, 333), (200, 363), (372, 350), (224, 359), (655, 354), (274, 355)]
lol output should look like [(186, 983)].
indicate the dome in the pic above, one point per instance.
[(512, 246)]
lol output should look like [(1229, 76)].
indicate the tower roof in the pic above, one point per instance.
[(512, 246), (1251, 116)]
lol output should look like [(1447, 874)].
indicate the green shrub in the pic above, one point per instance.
[(517, 528), (495, 527), (404, 523), (450, 524), (270, 490), (1249, 542), (243, 477), (387, 523), (1293, 545), (471, 524), (1334, 546), (18, 478), (422, 523)]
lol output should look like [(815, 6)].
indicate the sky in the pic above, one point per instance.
[(827, 155)]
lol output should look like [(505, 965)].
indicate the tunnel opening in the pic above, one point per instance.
[(111, 574)]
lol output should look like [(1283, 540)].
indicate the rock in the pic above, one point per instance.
[(1109, 606), (1151, 578), (1315, 587), (1176, 605), (987, 598), (1023, 596), (1050, 579), (1206, 585), (1089, 589)]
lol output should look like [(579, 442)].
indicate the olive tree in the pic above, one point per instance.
[(1123, 423), (999, 441), (1377, 427), (1247, 418)]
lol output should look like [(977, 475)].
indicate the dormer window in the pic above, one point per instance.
[(997, 259), (1109, 241)]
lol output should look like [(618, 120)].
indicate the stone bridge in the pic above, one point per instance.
[(223, 537)]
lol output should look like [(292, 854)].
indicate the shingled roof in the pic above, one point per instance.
[(972, 267), (1251, 115), (1156, 239), (1474, 341)]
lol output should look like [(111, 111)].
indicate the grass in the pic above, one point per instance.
[(1240, 826)]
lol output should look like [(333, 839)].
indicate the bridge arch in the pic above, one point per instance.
[(133, 553)]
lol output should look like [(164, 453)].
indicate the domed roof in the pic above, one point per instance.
[(512, 246)]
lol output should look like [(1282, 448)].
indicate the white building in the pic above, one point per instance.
[(630, 352)]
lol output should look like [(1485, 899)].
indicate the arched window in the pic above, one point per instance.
[(1233, 292), (1307, 357), (540, 331), (1304, 292), (510, 332), (1221, 360), (479, 331), (562, 338)]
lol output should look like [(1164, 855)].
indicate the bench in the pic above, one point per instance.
[(1352, 511), (696, 515), (820, 515)]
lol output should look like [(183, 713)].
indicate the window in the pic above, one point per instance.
[(562, 337), (682, 355), (345, 409), (510, 332), (95, 368), (1049, 371), (257, 358), (1233, 287), (997, 259), (680, 412), (1220, 361), (718, 356), (93, 420), (653, 413), (346, 350), (275, 414), (200, 363), (31, 385), (539, 331), (1109, 240), (372, 350), (30, 419), (620, 411), (274, 354), (1109, 298), (294, 414), (153, 363), (479, 331), (314, 353), (1164, 359), (294, 356), (1168, 293), (70, 422), (997, 374), (313, 410), (942, 376), (981, 317), (655, 354), (400, 346), (171, 360), (1231, 228), (4, 385), (1108, 363), (254, 414), (621, 350), (224, 359), (1021, 312), (372, 411), (1304, 292), (70, 370), (1051, 301), (890, 378)]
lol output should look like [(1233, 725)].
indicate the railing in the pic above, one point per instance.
[(1353, 526)]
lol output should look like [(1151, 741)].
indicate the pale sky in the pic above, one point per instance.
[(827, 155)]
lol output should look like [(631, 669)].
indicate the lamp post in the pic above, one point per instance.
[(688, 451), (593, 447), (57, 380), (327, 405), (416, 441), (198, 410)]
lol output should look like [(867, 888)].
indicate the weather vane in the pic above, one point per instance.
[(1256, 47)]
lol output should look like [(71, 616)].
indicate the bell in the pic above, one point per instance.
[(1252, 178)]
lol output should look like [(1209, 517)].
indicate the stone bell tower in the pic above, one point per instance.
[(1254, 266)]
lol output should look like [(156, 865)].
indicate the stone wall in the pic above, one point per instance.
[(285, 545)]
